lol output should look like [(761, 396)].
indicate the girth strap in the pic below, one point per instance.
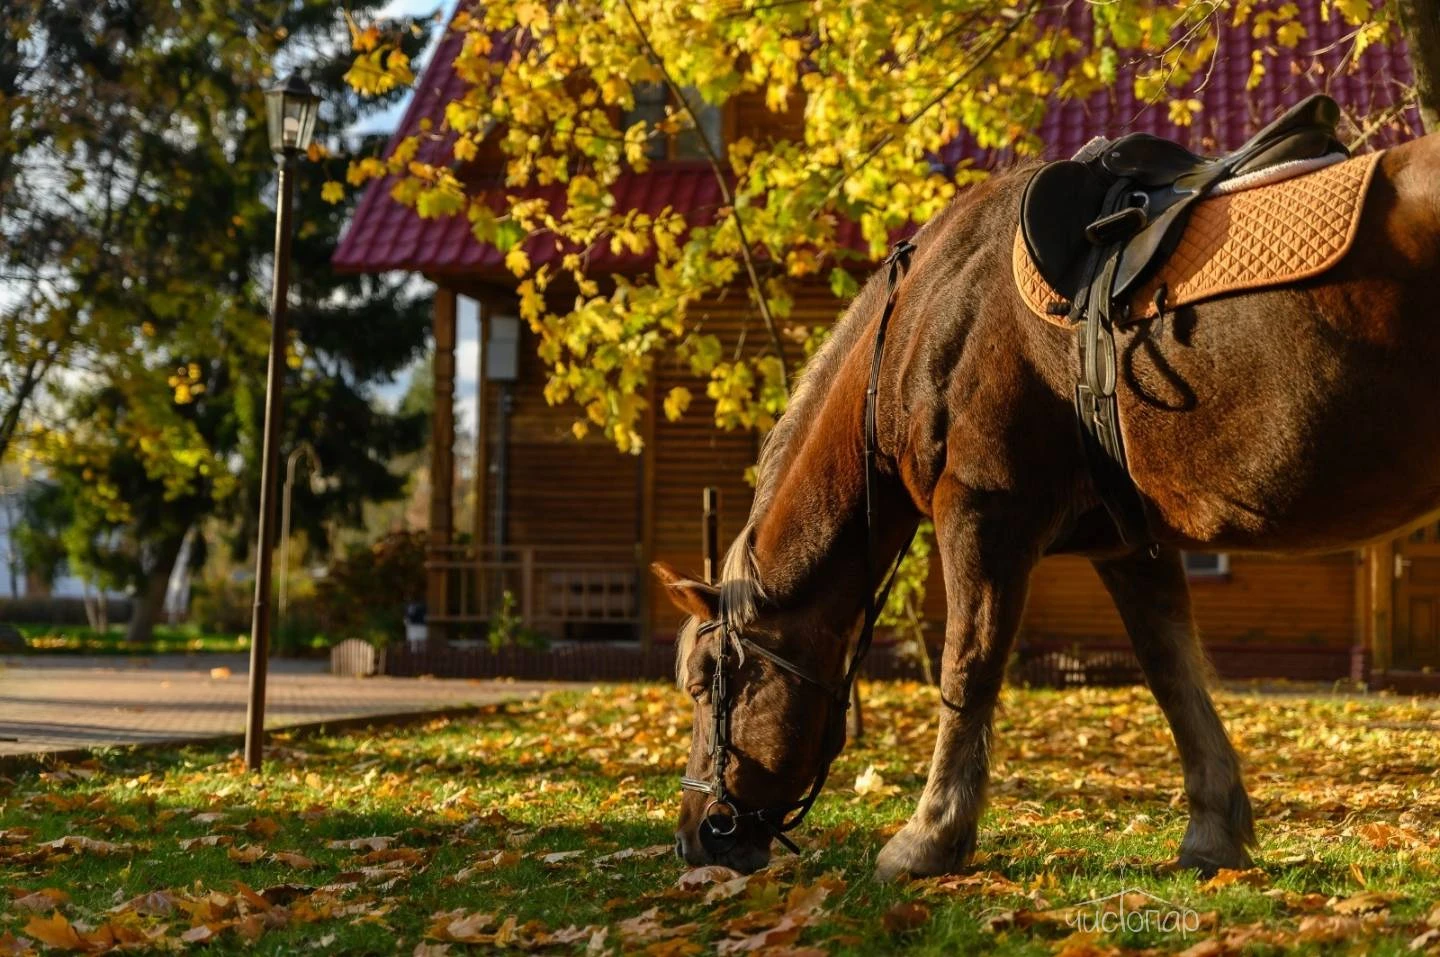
[(1097, 409)]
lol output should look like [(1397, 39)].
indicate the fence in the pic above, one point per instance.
[(1038, 663), (545, 588)]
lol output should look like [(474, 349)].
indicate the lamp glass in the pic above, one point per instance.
[(290, 111)]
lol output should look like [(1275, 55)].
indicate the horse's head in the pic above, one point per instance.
[(780, 722)]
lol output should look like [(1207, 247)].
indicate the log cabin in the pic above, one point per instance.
[(560, 531)]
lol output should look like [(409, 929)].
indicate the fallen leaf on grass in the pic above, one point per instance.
[(785, 932), (200, 934), (463, 928), (1382, 836), (87, 845), (263, 828), (488, 861), (220, 673), (54, 931), (905, 916), (982, 882), (725, 890), (869, 783), (377, 843), (647, 926), (1366, 902), (12, 946), (209, 840), (1425, 940), (290, 859), (1229, 877), (406, 854), (247, 855), (282, 894), (654, 850), (45, 899), (696, 878), (557, 858), (153, 904), (1324, 929)]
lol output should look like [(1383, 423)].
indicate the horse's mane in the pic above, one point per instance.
[(741, 589)]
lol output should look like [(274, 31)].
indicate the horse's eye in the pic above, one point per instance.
[(696, 691)]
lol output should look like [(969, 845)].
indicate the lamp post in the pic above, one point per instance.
[(290, 111)]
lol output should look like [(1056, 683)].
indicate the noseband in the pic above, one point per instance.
[(777, 820)]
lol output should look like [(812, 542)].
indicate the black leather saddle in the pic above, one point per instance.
[(1096, 227), (1063, 216)]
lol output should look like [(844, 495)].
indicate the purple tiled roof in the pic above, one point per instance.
[(383, 234)]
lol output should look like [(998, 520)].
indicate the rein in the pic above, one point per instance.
[(780, 819)]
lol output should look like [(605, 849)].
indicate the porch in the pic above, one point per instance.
[(547, 532), (558, 591)]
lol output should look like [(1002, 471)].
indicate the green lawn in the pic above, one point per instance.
[(168, 639), (509, 829)]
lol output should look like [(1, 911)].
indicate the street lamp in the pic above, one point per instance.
[(290, 111)]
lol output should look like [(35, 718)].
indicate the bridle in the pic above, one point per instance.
[(777, 820)]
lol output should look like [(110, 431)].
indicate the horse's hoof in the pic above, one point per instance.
[(913, 853)]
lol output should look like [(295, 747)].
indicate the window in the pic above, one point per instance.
[(1206, 564), (653, 103)]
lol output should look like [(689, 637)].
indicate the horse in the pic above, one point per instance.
[(1302, 418)]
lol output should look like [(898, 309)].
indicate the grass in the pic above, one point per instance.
[(167, 639), (1086, 802)]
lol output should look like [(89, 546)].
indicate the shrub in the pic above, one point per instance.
[(366, 592)]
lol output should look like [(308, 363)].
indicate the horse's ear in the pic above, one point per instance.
[(690, 596)]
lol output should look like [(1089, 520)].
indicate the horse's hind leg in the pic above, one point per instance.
[(987, 561), (1153, 598)]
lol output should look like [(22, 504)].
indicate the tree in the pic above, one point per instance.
[(879, 89), (158, 428), (1420, 20)]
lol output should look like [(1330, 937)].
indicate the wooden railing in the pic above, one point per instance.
[(547, 586)]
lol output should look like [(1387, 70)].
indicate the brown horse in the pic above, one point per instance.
[(1292, 419)]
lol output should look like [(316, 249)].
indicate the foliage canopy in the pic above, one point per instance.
[(876, 92)]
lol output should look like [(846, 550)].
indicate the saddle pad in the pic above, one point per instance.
[(1268, 236)]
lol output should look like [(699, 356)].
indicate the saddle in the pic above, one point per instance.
[(1098, 225)]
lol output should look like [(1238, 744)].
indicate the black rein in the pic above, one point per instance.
[(780, 819)]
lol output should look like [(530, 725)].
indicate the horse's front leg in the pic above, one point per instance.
[(987, 558), (1153, 598)]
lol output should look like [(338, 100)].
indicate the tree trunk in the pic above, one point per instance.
[(150, 598), (1420, 20)]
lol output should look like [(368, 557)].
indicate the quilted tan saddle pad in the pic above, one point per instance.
[(1268, 236)]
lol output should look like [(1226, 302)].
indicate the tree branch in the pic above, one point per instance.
[(934, 101), (715, 167)]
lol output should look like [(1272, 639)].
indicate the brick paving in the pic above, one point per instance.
[(60, 702)]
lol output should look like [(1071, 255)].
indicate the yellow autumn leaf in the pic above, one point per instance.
[(676, 402), (332, 192), (517, 261)]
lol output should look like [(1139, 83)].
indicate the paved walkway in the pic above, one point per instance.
[(60, 702)]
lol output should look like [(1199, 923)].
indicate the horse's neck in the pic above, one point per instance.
[(811, 540)]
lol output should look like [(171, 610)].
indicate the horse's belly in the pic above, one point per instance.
[(1261, 427)]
